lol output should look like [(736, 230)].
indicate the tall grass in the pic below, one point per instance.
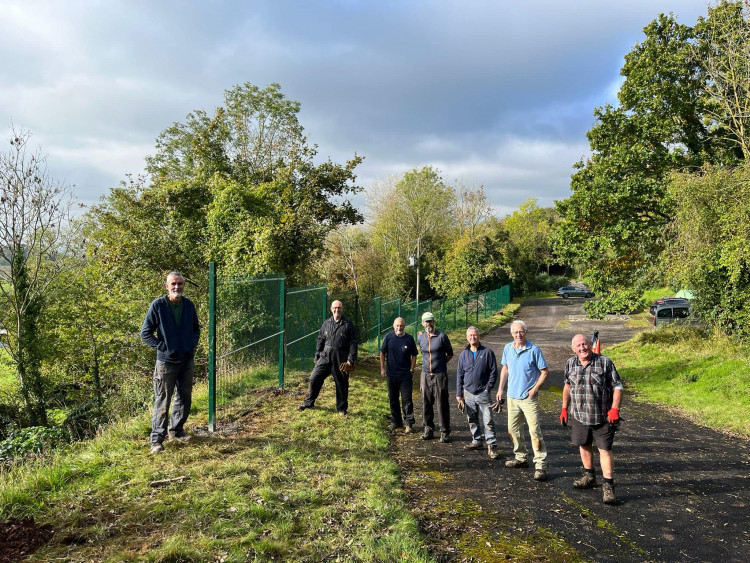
[(705, 375)]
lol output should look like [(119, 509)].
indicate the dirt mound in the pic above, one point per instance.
[(19, 538)]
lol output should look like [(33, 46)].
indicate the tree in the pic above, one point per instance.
[(34, 215), (723, 46), (709, 250), (239, 187), (471, 208), (472, 265), (614, 221), (411, 217)]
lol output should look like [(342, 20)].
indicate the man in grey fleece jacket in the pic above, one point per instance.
[(171, 327)]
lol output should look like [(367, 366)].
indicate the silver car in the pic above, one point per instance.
[(574, 291)]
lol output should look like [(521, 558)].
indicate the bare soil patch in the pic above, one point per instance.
[(19, 538)]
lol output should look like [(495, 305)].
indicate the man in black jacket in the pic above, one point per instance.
[(171, 327), (475, 377), (335, 354)]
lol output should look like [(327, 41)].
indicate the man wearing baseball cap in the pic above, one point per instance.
[(436, 353)]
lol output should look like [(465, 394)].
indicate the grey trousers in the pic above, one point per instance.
[(168, 378)]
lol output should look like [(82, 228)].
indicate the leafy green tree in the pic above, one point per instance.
[(472, 265), (614, 221), (239, 186), (709, 250), (411, 217)]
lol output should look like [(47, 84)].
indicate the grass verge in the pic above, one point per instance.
[(685, 368), (286, 485)]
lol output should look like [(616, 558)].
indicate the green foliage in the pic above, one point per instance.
[(273, 489), (412, 217), (620, 301), (470, 266), (710, 249), (614, 222), (33, 439), (526, 238)]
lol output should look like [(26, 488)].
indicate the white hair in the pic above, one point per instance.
[(519, 323)]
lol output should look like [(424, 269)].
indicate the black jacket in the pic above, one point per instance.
[(337, 342)]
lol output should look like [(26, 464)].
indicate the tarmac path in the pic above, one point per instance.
[(683, 490)]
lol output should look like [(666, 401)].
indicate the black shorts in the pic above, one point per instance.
[(584, 435)]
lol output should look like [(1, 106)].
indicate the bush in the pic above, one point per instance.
[(617, 302), (31, 440)]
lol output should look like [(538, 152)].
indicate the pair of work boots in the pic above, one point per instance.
[(428, 435), (588, 481), (491, 449)]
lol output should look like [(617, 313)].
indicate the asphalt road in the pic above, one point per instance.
[(683, 490)]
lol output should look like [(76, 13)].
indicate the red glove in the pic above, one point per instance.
[(564, 417), (613, 415)]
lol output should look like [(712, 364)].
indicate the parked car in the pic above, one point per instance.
[(574, 291), (667, 301), (673, 312)]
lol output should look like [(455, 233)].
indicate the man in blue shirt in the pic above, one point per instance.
[(475, 377), (436, 353), (525, 371), (398, 356), (171, 327)]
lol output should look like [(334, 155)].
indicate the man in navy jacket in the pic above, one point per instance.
[(171, 327), (475, 378)]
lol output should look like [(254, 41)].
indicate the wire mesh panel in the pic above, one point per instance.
[(248, 329), (305, 311)]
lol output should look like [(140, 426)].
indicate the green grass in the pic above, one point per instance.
[(8, 378), (284, 485), (706, 376)]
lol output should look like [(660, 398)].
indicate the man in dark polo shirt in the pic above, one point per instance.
[(436, 353), (592, 392), (171, 327), (398, 356)]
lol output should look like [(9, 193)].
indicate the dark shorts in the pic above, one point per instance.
[(584, 435)]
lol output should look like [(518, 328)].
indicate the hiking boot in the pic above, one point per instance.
[(585, 481), (394, 426), (516, 463), (540, 475), (303, 406), (407, 429), (156, 448), (608, 494), (473, 446), (183, 437), (427, 434), (492, 451), (342, 414), (444, 438)]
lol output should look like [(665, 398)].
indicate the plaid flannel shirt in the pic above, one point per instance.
[(591, 388)]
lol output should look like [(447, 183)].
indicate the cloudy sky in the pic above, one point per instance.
[(494, 93)]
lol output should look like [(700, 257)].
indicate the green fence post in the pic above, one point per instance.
[(477, 308), (282, 303), (380, 318), (211, 346), (454, 313)]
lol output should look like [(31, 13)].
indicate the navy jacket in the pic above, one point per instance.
[(476, 374), (174, 344)]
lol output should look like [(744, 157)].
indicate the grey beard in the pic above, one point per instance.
[(429, 328)]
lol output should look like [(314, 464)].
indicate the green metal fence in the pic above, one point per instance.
[(262, 333)]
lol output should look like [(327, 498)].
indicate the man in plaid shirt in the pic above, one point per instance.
[(592, 392)]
